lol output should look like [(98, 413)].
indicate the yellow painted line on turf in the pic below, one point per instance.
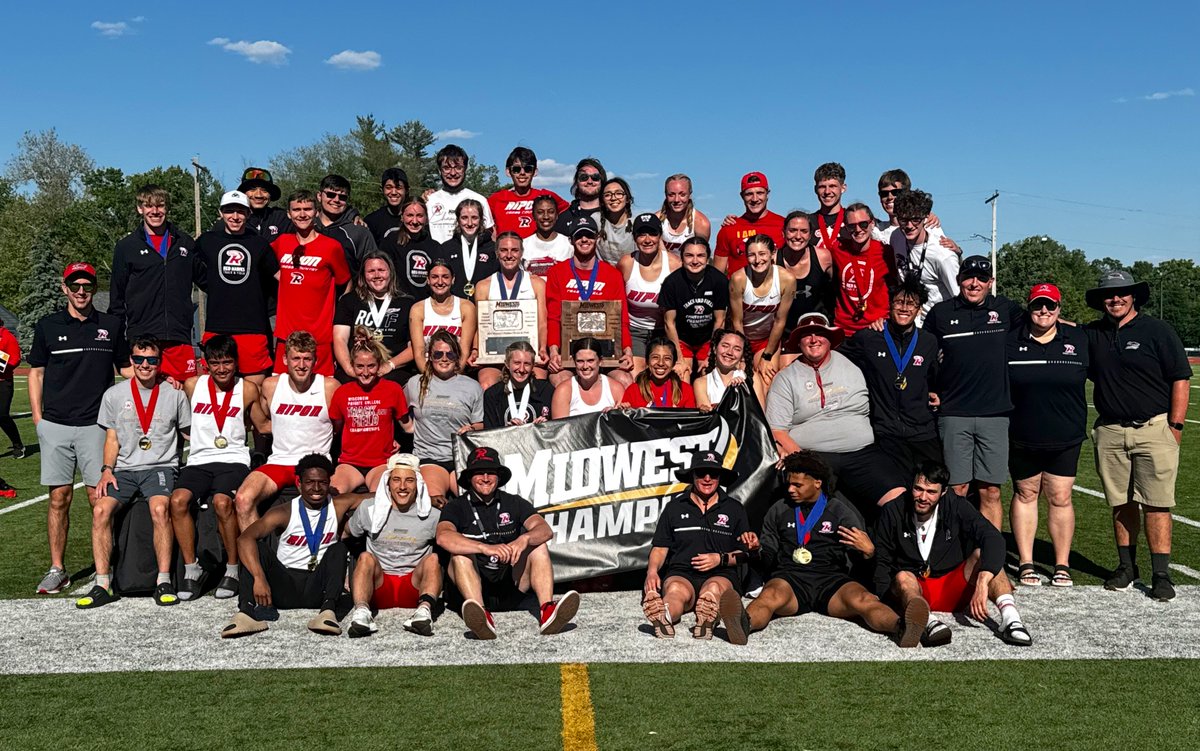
[(578, 719), (1176, 517)]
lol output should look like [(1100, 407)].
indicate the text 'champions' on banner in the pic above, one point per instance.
[(601, 480)]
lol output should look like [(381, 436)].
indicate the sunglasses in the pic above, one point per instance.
[(88, 287), (521, 169), (145, 359), (1047, 304), (889, 192), (332, 196), (858, 225), (707, 473), (589, 177), (441, 354), (918, 220), (257, 174)]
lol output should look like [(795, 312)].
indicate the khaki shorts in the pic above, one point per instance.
[(1137, 464)]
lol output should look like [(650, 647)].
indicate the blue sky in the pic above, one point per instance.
[(1084, 115)]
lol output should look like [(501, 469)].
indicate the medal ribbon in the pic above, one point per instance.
[(311, 538), (894, 351), (144, 413), (470, 253), (585, 293), (662, 397), (378, 312), (518, 411), (830, 239), (516, 285), (862, 289), (804, 526), (219, 414), (160, 249)]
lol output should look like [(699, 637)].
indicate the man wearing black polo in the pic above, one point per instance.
[(75, 353), (386, 219), (972, 383), (497, 546), (898, 364), (1141, 374)]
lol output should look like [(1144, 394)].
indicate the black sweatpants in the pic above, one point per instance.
[(7, 424), (296, 589)]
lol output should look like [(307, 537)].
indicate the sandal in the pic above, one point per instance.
[(1027, 575), (325, 623), (1017, 635), (1062, 577)]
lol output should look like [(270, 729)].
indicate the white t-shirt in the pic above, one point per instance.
[(441, 206), (539, 255), (939, 269)]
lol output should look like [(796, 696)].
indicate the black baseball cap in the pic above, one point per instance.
[(647, 224), (584, 224), (979, 267)]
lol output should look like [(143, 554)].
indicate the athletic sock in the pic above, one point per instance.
[(191, 571), (1126, 555), (104, 581), (231, 570), (1008, 610), (163, 578), (1159, 562)]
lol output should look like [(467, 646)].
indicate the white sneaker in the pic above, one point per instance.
[(421, 622), (361, 622)]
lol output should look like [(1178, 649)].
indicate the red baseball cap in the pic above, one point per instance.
[(754, 180), (79, 269), (1048, 291)]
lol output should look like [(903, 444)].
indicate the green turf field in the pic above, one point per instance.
[(1047, 705)]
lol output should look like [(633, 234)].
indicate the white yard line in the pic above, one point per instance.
[(1186, 571), (32, 501), (1176, 517)]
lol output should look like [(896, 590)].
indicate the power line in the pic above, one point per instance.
[(1093, 205)]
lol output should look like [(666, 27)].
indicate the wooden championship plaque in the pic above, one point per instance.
[(502, 322), (598, 319)]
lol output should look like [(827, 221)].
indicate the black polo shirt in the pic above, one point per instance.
[(897, 413), (779, 538), (503, 519), (1134, 367), (686, 532), (695, 303), (1047, 380), (79, 358), (973, 378)]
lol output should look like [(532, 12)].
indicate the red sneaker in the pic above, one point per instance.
[(479, 620), (556, 615)]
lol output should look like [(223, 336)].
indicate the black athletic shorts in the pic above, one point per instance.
[(906, 453), (697, 578), (813, 593), (500, 592), (448, 466), (1026, 463), (204, 480), (864, 476)]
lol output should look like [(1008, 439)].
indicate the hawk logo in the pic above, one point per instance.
[(1068, 349), (826, 528), (102, 335), (722, 520), (993, 317), (233, 264), (918, 361), (183, 252), (480, 455), (699, 310), (296, 278), (524, 222), (710, 457), (505, 519)]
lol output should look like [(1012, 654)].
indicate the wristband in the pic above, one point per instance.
[(107, 468), (1175, 425)]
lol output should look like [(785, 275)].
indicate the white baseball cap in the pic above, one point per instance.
[(235, 198)]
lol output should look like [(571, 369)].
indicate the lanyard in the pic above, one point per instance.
[(311, 538), (804, 526), (585, 293), (894, 351), (518, 411), (378, 312), (516, 288)]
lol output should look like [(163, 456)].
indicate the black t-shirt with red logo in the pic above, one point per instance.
[(695, 303), (411, 261), (238, 273)]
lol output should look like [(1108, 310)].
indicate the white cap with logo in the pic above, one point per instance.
[(235, 198)]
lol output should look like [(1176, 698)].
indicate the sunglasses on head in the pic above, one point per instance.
[(441, 354), (88, 287), (145, 359), (256, 174), (334, 196)]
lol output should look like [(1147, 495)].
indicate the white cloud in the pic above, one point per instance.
[(552, 173), (111, 29), (138, 19), (459, 133), (351, 60), (642, 176), (1168, 94), (262, 51)]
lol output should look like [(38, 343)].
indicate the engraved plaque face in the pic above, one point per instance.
[(599, 320), (503, 322), (592, 323)]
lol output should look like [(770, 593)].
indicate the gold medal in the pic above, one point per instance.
[(312, 563), (901, 381), (925, 572), (802, 555), (469, 289), (220, 442), (144, 443)]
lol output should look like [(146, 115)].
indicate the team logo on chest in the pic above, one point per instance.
[(722, 520), (826, 528), (233, 264), (918, 361), (993, 317), (505, 519), (1068, 349)]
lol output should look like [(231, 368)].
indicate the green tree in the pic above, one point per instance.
[(40, 291), (55, 169), (415, 141), (376, 153), (1042, 259)]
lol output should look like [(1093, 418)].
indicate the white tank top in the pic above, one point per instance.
[(524, 292), (300, 423), (204, 431), (716, 387), (642, 296), (434, 320), (672, 240), (580, 407), (293, 549), (758, 313)]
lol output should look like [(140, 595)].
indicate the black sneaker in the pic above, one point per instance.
[(1162, 589), (1122, 579)]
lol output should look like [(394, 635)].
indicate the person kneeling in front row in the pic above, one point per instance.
[(804, 542), (308, 569), (497, 546), (933, 548)]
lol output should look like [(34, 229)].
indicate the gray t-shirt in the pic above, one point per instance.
[(448, 406), (172, 414), (842, 424), (404, 540)]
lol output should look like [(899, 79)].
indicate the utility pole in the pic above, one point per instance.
[(995, 270), (201, 303)]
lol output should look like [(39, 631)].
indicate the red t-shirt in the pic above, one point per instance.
[(514, 213), (307, 295), (869, 270), (731, 240), (369, 416), (10, 354), (560, 286), (661, 396)]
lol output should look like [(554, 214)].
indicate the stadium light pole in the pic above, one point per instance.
[(995, 269)]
